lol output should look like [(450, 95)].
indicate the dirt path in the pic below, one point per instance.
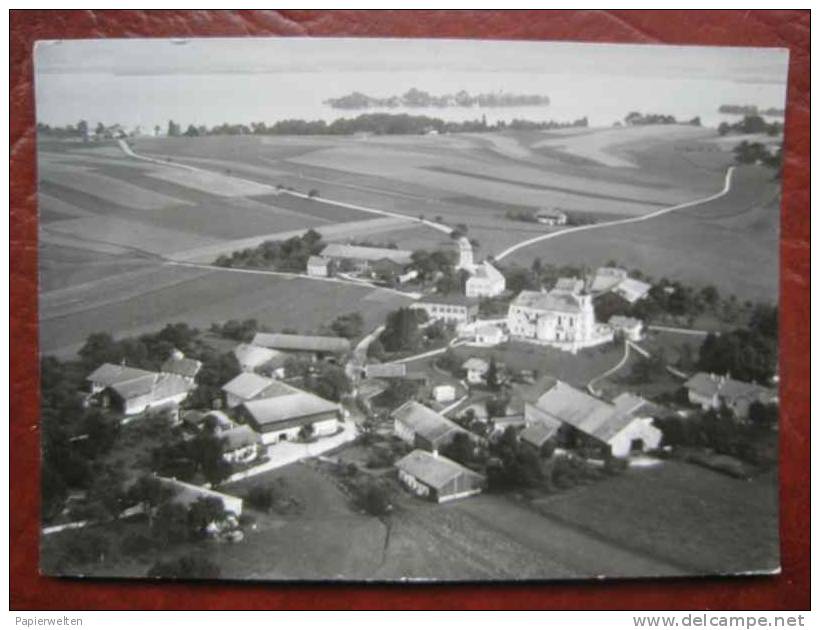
[(607, 224)]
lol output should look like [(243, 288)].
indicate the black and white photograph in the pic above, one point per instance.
[(392, 310)]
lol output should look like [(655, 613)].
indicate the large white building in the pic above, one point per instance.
[(486, 281), (564, 318)]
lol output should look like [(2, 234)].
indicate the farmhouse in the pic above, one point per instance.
[(620, 428), (187, 494), (312, 344), (253, 358), (489, 335), (711, 391), (283, 416), (318, 267), (458, 309), (476, 369), (240, 445), (551, 217), (618, 281), (486, 281), (133, 391), (561, 318), (363, 258), (444, 393), (630, 327), (437, 478), (422, 427), (182, 366), (250, 386)]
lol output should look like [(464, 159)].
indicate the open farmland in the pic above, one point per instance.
[(730, 242), (142, 301)]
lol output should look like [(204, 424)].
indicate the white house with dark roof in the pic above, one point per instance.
[(630, 327), (451, 308), (364, 257), (283, 414), (710, 391), (561, 318), (437, 478), (241, 444), (623, 427), (486, 281), (133, 391)]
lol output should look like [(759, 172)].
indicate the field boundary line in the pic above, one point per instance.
[(727, 185)]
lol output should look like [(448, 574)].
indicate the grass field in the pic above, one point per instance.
[(148, 299)]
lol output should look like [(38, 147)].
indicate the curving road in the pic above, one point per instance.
[(644, 217)]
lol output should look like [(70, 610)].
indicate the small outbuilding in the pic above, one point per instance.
[(437, 478)]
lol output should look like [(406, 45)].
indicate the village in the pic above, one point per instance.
[(446, 399)]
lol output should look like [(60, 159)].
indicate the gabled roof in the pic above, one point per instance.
[(357, 252), (110, 373), (424, 421), (317, 261), (728, 388), (433, 470), (476, 363), (295, 407), (569, 285), (302, 343), (485, 271), (239, 437), (632, 290), (157, 386), (621, 321), (183, 366), (251, 356), (607, 278), (537, 433), (554, 301), (249, 385), (449, 299)]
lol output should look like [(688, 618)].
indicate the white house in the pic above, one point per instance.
[(630, 327), (551, 217), (444, 393), (182, 366), (133, 391), (710, 391), (453, 308), (253, 358), (617, 281), (560, 318), (623, 427), (318, 267), (240, 445), (476, 369), (489, 335), (486, 281)]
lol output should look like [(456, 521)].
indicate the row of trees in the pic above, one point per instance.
[(637, 118), (419, 98), (749, 125), (288, 255)]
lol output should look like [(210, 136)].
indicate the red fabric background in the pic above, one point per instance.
[(789, 29)]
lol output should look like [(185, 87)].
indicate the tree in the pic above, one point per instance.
[(150, 493), (496, 406), (185, 567), (764, 415), (493, 378), (202, 513), (460, 449), (191, 131), (401, 331), (374, 499), (173, 129), (261, 497), (328, 381), (82, 130), (349, 326), (207, 451), (170, 524)]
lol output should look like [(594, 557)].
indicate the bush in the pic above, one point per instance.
[(137, 544), (261, 498)]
